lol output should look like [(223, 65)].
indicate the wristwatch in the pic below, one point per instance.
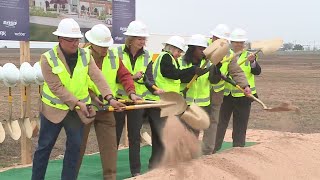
[(110, 98)]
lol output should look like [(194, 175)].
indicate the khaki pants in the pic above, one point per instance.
[(209, 135), (105, 127)]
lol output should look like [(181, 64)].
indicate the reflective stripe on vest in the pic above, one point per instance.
[(55, 101)]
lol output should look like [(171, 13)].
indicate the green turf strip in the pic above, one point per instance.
[(91, 166)]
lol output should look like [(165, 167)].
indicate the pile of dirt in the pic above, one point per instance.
[(287, 156)]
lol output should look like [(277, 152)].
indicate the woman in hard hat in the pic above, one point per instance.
[(226, 67), (235, 102), (65, 98), (135, 58), (199, 92), (105, 126), (166, 75)]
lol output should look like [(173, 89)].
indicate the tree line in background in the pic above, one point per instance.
[(297, 47)]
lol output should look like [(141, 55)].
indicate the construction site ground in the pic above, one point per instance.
[(285, 78)]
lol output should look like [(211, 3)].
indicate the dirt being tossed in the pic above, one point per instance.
[(286, 156), (181, 145)]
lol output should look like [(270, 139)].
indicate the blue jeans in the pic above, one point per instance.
[(48, 135)]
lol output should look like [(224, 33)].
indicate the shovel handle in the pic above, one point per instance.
[(243, 61), (138, 102), (142, 106), (232, 82)]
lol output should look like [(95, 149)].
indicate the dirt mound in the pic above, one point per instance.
[(287, 156)]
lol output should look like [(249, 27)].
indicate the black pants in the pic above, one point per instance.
[(240, 108), (134, 120), (156, 125)]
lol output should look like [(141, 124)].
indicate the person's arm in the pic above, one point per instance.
[(168, 70), (98, 79), (125, 78), (55, 84), (237, 74), (148, 78), (215, 74), (255, 68)]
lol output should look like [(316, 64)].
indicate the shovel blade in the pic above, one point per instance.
[(2, 133), (14, 129), (217, 51), (147, 138), (267, 46), (27, 128), (178, 107)]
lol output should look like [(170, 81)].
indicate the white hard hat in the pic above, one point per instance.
[(68, 27), (27, 74), (10, 75), (137, 28), (198, 40), (100, 35), (39, 77), (221, 31), (238, 35), (177, 42), (1, 73)]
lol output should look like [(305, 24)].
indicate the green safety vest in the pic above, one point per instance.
[(76, 85), (110, 66), (166, 84), (224, 70), (140, 65), (199, 92), (250, 78)]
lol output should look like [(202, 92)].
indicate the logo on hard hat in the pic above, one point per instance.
[(10, 24), (3, 33), (75, 29)]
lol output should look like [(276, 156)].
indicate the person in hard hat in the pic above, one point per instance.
[(166, 75), (112, 68), (199, 92), (65, 98), (235, 102), (225, 67), (135, 58)]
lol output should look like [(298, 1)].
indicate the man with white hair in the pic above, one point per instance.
[(230, 67)]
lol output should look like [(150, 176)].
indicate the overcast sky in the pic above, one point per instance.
[(293, 20)]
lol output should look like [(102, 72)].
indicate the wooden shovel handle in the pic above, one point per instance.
[(243, 61), (142, 106), (138, 102)]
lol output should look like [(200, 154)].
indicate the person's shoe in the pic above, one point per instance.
[(136, 174)]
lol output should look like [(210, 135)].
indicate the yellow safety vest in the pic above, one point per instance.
[(250, 78), (110, 66), (199, 92), (140, 65), (166, 84), (77, 84), (224, 70)]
